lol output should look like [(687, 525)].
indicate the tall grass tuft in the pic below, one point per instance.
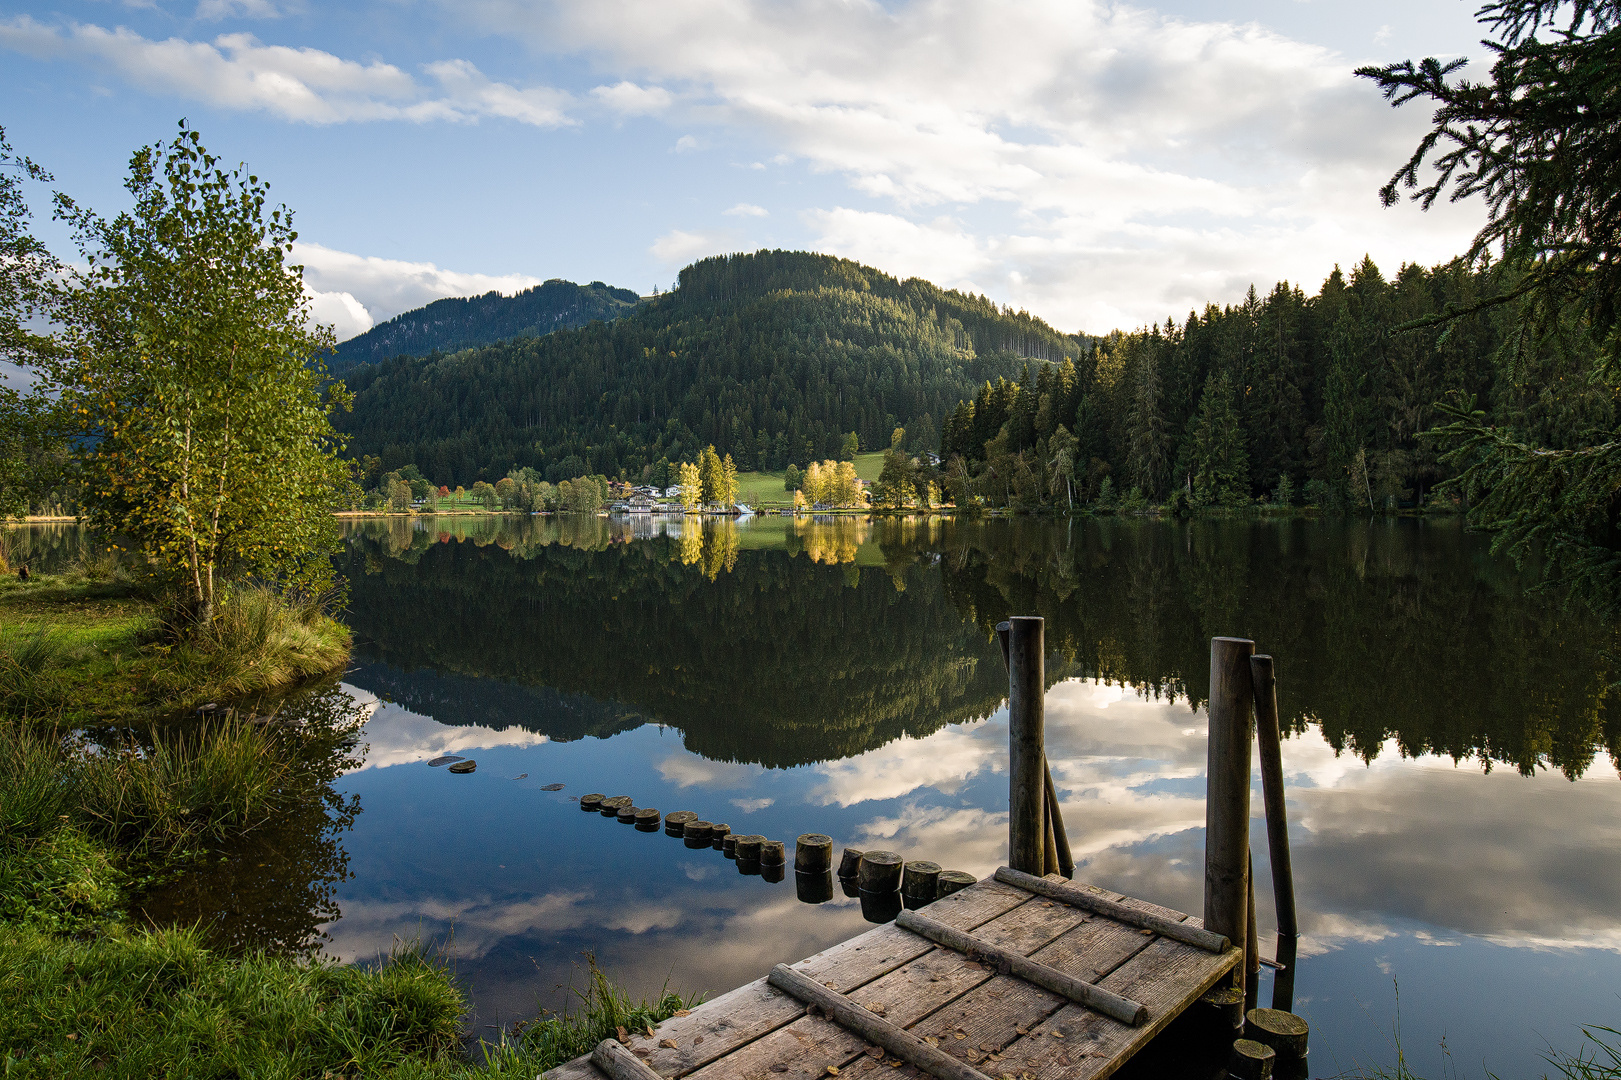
[(202, 785), (257, 638), (31, 669), (604, 1011)]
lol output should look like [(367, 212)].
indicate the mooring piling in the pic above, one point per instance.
[(1027, 762), (1227, 792), (1269, 741)]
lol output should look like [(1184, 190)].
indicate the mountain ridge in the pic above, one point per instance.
[(459, 322), (772, 357)]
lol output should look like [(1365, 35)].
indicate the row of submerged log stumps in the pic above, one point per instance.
[(880, 879), (1243, 705)]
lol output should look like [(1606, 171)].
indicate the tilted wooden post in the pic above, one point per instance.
[(1227, 792), (1027, 760), (1269, 739)]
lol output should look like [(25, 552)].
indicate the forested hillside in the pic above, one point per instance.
[(1325, 396), (772, 357), (460, 322)]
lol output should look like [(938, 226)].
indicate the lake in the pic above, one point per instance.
[(1452, 783)]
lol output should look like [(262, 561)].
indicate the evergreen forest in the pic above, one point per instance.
[(1283, 398), (461, 322), (774, 358)]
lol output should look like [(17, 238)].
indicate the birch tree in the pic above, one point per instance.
[(192, 364)]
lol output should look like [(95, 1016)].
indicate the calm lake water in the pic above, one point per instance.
[(1453, 790)]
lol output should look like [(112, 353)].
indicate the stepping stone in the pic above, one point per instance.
[(464, 766), (446, 760), (552, 787)]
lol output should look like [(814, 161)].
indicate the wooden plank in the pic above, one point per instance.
[(619, 1063), (1136, 916), (869, 1025), (902, 996), (1167, 976), (1048, 978), (734, 1019), (998, 1013)]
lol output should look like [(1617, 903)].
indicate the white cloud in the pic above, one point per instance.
[(744, 209), (241, 9), (677, 247), (685, 144), (397, 736), (633, 100), (235, 71), (341, 311), (1107, 164), (355, 291)]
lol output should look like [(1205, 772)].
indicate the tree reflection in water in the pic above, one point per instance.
[(1391, 629)]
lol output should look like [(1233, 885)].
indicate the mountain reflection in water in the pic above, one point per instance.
[(1451, 765)]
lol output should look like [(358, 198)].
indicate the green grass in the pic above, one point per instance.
[(143, 1004), (140, 1004), (75, 649)]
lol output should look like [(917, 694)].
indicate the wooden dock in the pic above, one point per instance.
[(972, 1006)]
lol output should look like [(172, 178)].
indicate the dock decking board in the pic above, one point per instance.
[(997, 1023)]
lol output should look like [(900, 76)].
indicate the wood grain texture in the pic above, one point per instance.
[(1171, 925), (1048, 978), (854, 1018)]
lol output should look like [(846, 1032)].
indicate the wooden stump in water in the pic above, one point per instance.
[(748, 867), (1226, 1003), (748, 847), (610, 807), (880, 872), (850, 862), (647, 819), (919, 880), (675, 822), (1251, 1060), (718, 834), (728, 846), (773, 853), (1285, 1033), (589, 802), (951, 881), (773, 872), (698, 830), (464, 766), (880, 907), (627, 815), (813, 853), (814, 888)]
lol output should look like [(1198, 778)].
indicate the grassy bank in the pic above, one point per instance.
[(143, 1004), (89, 645)]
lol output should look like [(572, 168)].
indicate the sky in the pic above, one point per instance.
[(1099, 165)]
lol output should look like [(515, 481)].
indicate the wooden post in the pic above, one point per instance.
[(813, 853), (1027, 685), (920, 881), (880, 872), (850, 863), (1269, 740), (1252, 946), (1227, 792), (1066, 860)]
